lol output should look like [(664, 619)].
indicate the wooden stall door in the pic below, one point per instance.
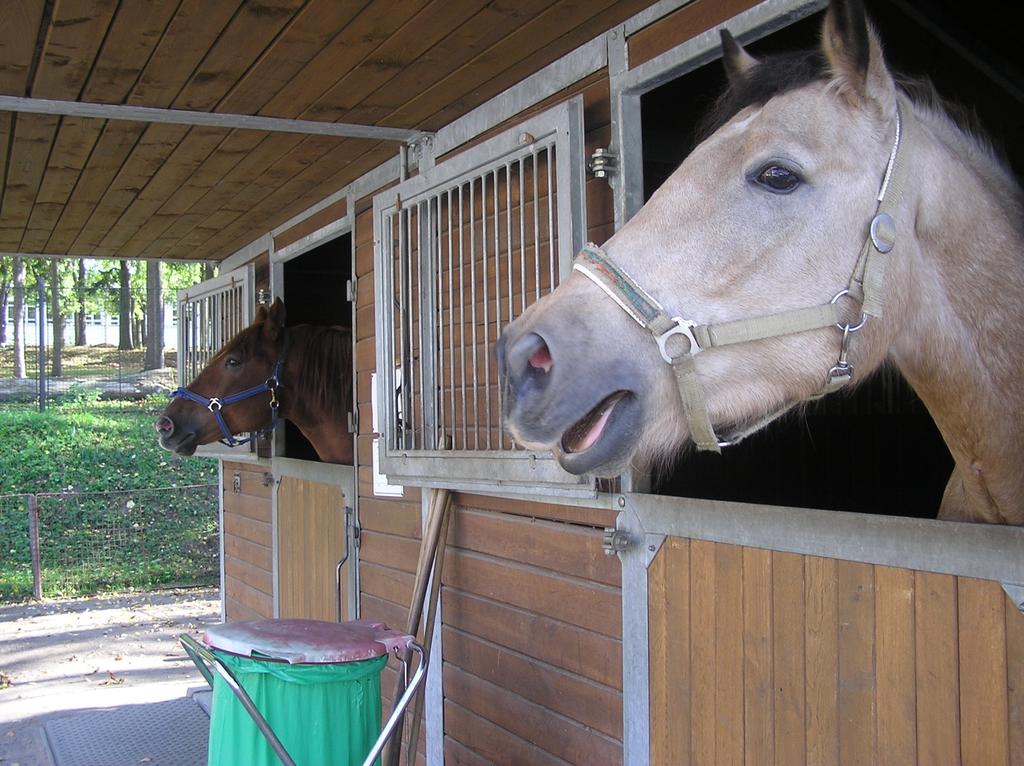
[(310, 543), (762, 657)]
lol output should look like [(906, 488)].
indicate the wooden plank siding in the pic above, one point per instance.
[(532, 638), (762, 657), (248, 544)]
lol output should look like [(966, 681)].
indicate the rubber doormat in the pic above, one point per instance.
[(172, 733)]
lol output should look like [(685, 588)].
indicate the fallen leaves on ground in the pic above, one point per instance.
[(111, 679)]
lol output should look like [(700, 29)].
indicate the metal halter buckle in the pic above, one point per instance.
[(681, 327), (848, 327), (214, 401), (842, 372)]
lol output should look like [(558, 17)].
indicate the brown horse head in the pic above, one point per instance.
[(771, 214), (247, 361)]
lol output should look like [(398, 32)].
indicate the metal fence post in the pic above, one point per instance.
[(32, 506)]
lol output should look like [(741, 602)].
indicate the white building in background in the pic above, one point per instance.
[(100, 329)]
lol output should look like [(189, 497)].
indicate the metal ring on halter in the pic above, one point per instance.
[(214, 401), (681, 327), (849, 327)]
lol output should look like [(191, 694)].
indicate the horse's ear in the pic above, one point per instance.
[(737, 61), (854, 55), (274, 321), (261, 314)]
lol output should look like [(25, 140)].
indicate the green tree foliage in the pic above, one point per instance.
[(102, 280)]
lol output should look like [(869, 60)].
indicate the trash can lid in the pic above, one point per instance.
[(306, 641)]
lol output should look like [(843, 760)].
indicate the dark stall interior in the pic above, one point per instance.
[(873, 450), (315, 293)]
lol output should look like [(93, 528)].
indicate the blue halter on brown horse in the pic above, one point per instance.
[(265, 373)]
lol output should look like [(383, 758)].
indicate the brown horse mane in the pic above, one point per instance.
[(324, 377)]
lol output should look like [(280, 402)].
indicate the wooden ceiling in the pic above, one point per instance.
[(91, 187)]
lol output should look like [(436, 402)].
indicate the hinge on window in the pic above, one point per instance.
[(350, 290), (603, 163), (615, 541)]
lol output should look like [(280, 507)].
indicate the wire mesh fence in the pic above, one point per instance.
[(81, 543), (88, 372), (94, 355)]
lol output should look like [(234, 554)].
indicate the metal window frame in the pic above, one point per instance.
[(278, 258), (521, 472), (628, 85), (244, 278)]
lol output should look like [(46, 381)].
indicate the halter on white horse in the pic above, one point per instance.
[(866, 285)]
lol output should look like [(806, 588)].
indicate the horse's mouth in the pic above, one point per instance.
[(184, 445), (601, 440)]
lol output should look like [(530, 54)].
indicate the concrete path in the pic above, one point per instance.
[(62, 657)]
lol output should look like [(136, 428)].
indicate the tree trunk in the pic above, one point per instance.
[(207, 271), (154, 317), (80, 313), (19, 313), (125, 310), (57, 317), (4, 297)]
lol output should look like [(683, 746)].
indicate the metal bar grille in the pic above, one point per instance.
[(465, 260), (461, 249), (210, 314)]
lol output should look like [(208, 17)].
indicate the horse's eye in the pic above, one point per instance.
[(777, 178), (232, 362)]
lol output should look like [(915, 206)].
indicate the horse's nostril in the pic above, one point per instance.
[(164, 425), (528, 357), (541, 359)]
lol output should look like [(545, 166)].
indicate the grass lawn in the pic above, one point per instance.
[(121, 534)]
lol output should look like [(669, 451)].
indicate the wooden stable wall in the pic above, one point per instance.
[(766, 657), (532, 629), (248, 543)]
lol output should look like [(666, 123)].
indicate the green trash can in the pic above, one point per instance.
[(316, 683)]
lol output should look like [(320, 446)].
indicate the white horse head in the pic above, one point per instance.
[(769, 217)]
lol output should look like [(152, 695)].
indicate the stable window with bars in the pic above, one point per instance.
[(461, 250), (210, 314)]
